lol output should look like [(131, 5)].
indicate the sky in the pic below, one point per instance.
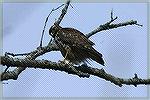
[(124, 49)]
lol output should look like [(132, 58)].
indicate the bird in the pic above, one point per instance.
[(74, 46)]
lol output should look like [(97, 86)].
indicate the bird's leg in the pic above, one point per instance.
[(65, 60), (66, 54), (67, 48)]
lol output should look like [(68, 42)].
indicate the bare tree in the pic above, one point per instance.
[(82, 71)]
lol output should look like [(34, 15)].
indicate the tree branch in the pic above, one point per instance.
[(64, 11), (44, 64), (81, 71), (46, 23), (39, 51), (108, 26), (32, 55)]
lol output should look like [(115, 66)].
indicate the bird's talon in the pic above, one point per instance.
[(65, 62)]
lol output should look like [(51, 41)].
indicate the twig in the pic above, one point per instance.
[(4, 71), (12, 54), (110, 26), (64, 11), (139, 25), (111, 14), (46, 23), (112, 19)]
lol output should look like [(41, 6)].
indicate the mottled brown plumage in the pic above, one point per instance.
[(74, 45)]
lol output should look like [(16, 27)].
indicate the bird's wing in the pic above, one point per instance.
[(79, 42), (74, 37)]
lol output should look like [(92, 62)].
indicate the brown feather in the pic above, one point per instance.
[(78, 46)]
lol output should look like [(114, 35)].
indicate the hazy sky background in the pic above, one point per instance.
[(124, 49)]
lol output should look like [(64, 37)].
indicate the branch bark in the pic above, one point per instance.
[(81, 71), (64, 11), (39, 51), (108, 26)]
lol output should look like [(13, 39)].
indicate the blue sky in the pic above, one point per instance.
[(124, 49)]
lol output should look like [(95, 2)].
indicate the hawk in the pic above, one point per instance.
[(74, 45)]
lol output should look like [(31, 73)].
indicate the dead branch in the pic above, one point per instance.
[(46, 23), (64, 11), (32, 55), (39, 51), (108, 25), (82, 71)]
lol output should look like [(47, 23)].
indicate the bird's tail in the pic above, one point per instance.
[(96, 56)]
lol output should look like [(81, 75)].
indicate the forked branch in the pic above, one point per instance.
[(81, 71)]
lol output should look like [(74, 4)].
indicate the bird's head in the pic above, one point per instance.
[(54, 29)]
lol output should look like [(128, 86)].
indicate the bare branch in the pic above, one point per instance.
[(39, 51), (64, 11), (108, 26), (44, 64), (111, 14), (32, 55), (139, 24), (82, 71), (46, 23), (116, 80)]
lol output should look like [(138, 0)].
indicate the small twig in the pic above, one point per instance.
[(64, 11), (57, 7), (46, 23), (12, 54), (50, 42), (139, 25), (112, 19), (71, 5), (111, 14), (5, 71), (108, 26)]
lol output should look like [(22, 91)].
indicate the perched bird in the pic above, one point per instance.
[(74, 45)]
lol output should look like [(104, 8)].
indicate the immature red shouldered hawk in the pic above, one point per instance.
[(74, 45)]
